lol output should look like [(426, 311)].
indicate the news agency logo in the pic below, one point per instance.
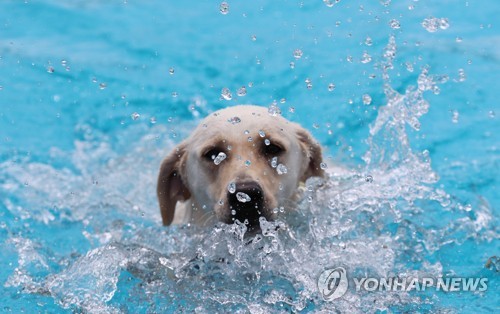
[(334, 282)]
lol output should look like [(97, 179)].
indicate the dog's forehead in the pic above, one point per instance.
[(240, 121)]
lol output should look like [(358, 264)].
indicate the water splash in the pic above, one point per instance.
[(370, 220)]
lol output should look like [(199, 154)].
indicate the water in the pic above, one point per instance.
[(402, 96)]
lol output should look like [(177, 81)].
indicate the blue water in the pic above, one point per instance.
[(94, 94)]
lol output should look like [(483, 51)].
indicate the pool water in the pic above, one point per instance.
[(402, 95)]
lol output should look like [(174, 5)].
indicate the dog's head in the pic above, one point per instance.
[(241, 162)]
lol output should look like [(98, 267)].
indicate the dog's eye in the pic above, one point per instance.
[(272, 149), (211, 154)]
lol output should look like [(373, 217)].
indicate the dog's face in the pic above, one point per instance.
[(241, 163)]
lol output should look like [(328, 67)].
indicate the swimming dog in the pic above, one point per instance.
[(240, 163)]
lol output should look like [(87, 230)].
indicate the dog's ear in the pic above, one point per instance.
[(171, 187), (312, 150)]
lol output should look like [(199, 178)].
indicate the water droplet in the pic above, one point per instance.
[(409, 66), (220, 157), (242, 91), (262, 133), (369, 179), (461, 75), (331, 87), (308, 83), (455, 116), (366, 58), (274, 110), (231, 187), (267, 142), (242, 197), (135, 116), (274, 162), (281, 169), (234, 120), (224, 8), (323, 165), (432, 24), (226, 94), (367, 99), (171, 71), (394, 24), (330, 3), (297, 53)]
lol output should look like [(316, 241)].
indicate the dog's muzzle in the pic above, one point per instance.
[(247, 203)]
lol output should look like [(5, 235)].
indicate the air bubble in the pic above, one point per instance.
[(267, 142), (50, 69), (248, 163), (171, 71), (262, 133), (323, 165), (135, 116), (331, 87), (369, 179), (368, 41), (103, 85), (152, 120)]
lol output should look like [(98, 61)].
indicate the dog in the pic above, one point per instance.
[(241, 163)]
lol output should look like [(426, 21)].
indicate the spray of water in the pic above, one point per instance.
[(371, 221)]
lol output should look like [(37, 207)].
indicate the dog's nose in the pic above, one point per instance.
[(246, 202)]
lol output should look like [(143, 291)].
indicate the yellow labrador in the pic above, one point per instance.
[(240, 163)]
